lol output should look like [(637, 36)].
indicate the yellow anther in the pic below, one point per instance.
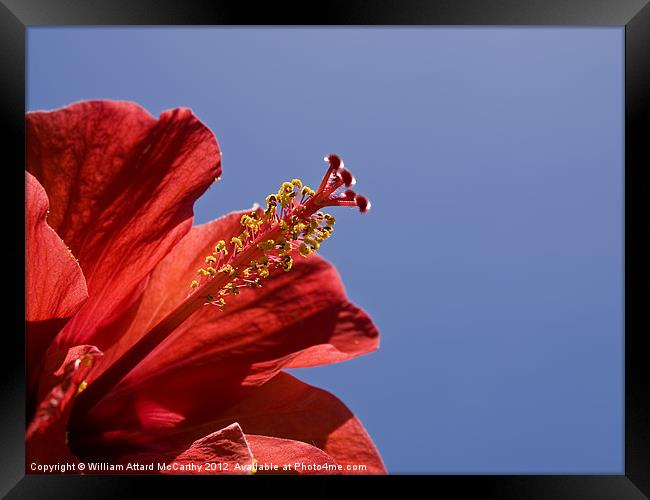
[(284, 226), (307, 191), (237, 243), (287, 263), (82, 386), (232, 288), (312, 243), (269, 213), (271, 200), (250, 222), (266, 245), (263, 273), (194, 284), (283, 245), (304, 250), (227, 269), (221, 247), (256, 283), (202, 272), (212, 271), (285, 194), (297, 229), (210, 259), (297, 183)]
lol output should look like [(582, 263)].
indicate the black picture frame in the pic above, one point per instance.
[(634, 15)]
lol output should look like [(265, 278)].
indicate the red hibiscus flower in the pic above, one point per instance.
[(156, 343)]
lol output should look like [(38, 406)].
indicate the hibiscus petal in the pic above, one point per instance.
[(46, 438), (55, 286), (287, 408), (121, 186), (226, 448), (284, 407), (285, 456), (356, 335)]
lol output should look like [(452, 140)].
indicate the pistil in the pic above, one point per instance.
[(292, 225)]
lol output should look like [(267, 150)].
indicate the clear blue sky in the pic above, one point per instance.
[(492, 258)]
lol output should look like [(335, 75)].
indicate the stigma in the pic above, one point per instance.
[(293, 225)]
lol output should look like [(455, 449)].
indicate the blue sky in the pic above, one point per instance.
[(492, 258)]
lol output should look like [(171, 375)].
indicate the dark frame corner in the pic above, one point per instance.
[(634, 15)]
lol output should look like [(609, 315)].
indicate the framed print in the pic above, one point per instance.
[(388, 242)]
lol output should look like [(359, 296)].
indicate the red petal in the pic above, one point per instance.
[(287, 408), (46, 437), (285, 456), (356, 335), (55, 286), (227, 449), (121, 187), (284, 407)]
